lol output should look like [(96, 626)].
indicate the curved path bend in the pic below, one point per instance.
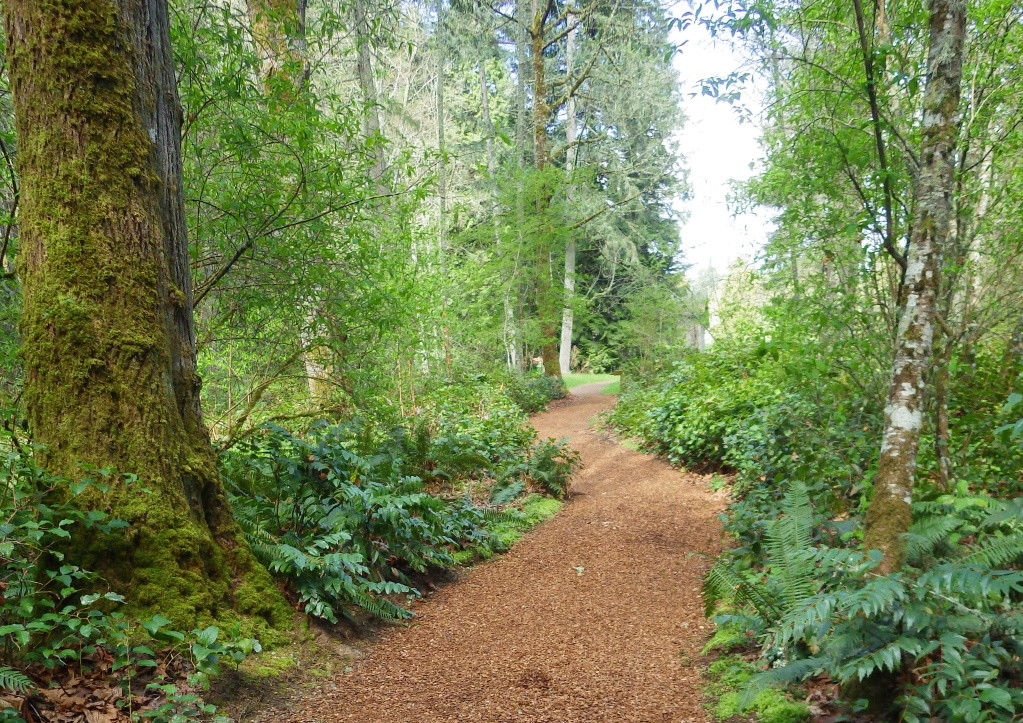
[(594, 616)]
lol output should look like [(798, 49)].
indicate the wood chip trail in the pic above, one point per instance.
[(594, 616)]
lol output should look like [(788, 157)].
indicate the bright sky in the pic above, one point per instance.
[(718, 148)]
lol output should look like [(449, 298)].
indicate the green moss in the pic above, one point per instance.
[(537, 509), (271, 665), (729, 676), (725, 639), (532, 510), (109, 361)]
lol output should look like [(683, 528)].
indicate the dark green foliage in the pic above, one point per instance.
[(347, 513), (954, 620), (343, 529), (54, 616)]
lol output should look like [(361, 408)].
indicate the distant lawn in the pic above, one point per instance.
[(614, 387), (574, 380)]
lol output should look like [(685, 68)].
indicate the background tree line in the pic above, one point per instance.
[(865, 379)]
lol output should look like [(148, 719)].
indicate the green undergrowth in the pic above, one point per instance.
[(727, 678), (939, 639), (530, 512), (351, 519)]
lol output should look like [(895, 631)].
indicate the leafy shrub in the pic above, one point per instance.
[(743, 413), (532, 391), (54, 626), (344, 530)]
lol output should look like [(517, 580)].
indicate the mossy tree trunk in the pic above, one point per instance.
[(107, 323), (547, 305), (890, 513)]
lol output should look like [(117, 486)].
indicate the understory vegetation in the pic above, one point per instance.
[(282, 280), (304, 269), (943, 636), (351, 518)]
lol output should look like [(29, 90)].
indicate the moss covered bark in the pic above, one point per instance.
[(107, 323), (548, 305), (889, 515)]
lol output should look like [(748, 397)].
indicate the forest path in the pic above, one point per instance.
[(591, 617)]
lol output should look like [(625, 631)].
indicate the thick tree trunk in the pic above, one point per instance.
[(890, 514), (108, 331)]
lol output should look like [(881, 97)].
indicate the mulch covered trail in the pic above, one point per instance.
[(594, 616)]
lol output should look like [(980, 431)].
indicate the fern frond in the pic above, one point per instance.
[(788, 542), (1010, 511), (998, 552), (11, 679), (794, 672), (722, 583), (928, 533)]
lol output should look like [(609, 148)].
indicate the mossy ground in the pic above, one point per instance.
[(532, 510), (728, 677)]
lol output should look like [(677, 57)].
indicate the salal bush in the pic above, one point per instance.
[(767, 415)]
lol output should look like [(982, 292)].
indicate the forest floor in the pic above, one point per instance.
[(594, 616)]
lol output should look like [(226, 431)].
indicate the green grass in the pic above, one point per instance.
[(614, 387), (574, 380)]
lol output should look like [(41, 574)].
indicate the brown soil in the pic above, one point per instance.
[(594, 616)]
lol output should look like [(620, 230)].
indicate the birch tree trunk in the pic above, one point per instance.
[(109, 340), (567, 316), (890, 514)]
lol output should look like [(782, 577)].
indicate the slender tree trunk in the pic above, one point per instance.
[(368, 87), (442, 185), (567, 316), (278, 29), (890, 514), (109, 343), (508, 325), (523, 146)]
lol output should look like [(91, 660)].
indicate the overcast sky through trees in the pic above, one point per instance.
[(718, 148)]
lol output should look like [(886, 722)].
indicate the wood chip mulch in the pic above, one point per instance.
[(594, 616)]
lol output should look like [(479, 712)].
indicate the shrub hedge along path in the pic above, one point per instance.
[(594, 616)]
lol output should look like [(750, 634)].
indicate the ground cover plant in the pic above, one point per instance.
[(940, 637), (349, 517)]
